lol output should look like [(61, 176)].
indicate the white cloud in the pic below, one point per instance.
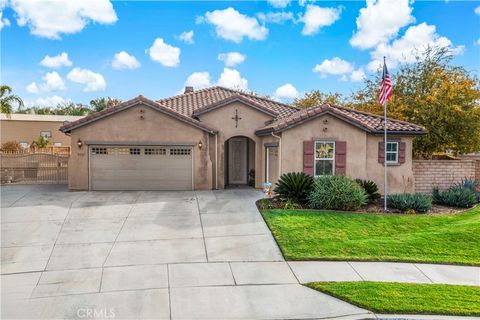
[(287, 91), (316, 17), (198, 80), (165, 54), (4, 22), (279, 3), (33, 88), (123, 60), (51, 101), (478, 41), (231, 59), (93, 81), (275, 17), (477, 10), (231, 78), (380, 22), (403, 50), (51, 82), (187, 37), (357, 75), (60, 60), (335, 66), (234, 26), (50, 18)]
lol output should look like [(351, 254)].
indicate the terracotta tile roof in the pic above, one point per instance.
[(130, 103), (369, 122), (202, 100)]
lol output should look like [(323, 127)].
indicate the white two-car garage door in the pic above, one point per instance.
[(141, 168)]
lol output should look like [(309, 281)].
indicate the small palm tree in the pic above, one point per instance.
[(8, 100)]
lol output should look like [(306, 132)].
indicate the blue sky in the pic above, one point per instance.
[(287, 47)]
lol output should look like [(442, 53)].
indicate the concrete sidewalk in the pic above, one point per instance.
[(311, 271)]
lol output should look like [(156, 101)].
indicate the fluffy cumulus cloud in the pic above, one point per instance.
[(357, 75), (232, 25), (51, 18), (231, 78), (4, 22), (187, 37), (275, 17), (231, 59), (477, 10), (51, 82), (279, 3), (60, 60), (198, 80), (335, 66), (51, 101), (93, 81), (316, 17), (403, 50), (380, 22), (123, 60), (287, 91), (163, 53)]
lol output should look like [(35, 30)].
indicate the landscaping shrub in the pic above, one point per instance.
[(455, 196), (370, 188), (406, 202), (337, 193), (470, 184), (294, 186)]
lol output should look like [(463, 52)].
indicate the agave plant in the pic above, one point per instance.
[(294, 186), (471, 184), (371, 189)]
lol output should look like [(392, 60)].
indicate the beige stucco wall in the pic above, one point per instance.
[(127, 126), (29, 131), (252, 119), (362, 152)]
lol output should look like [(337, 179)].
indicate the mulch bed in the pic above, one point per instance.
[(276, 203)]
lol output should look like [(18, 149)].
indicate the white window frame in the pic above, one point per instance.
[(315, 157), (392, 152), (47, 134)]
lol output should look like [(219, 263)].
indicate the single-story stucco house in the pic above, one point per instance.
[(26, 128), (218, 137)]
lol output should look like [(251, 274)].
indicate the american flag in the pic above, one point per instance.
[(386, 87)]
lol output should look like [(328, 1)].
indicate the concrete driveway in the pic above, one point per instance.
[(156, 255)]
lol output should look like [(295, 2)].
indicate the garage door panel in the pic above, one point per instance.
[(141, 168)]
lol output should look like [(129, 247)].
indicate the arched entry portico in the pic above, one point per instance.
[(239, 161)]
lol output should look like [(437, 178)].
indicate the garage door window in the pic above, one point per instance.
[(128, 151), (180, 152), (97, 150), (155, 151)]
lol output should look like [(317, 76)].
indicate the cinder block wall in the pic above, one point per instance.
[(442, 173)]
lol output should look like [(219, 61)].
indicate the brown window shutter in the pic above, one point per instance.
[(341, 158), (381, 152), (308, 157), (402, 147)]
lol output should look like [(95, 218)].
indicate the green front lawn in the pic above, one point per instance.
[(406, 298), (327, 235)]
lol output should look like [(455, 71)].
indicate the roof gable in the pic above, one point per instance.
[(232, 99), (140, 100), (365, 121), (190, 103)]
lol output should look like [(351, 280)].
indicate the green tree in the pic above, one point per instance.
[(435, 94), (316, 97), (72, 109), (8, 100), (35, 110), (99, 104)]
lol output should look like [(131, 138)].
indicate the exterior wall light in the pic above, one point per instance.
[(79, 143), (200, 145)]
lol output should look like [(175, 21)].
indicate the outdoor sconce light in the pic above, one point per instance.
[(200, 145), (79, 143)]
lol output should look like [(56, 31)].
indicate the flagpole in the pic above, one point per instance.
[(385, 189)]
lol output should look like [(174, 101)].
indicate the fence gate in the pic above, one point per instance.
[(34, 168)]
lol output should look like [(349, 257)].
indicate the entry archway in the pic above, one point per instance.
[(239, 161)]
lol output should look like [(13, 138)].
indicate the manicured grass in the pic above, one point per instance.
[(327, 235), (406, 298)]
